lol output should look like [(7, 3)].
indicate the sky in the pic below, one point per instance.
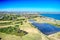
[(30, 5)]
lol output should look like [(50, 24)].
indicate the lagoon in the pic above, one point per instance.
[(45, 28)]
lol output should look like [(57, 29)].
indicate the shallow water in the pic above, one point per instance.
[(45, 28)]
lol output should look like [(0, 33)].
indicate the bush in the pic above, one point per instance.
[(13, 30), (5, 23)]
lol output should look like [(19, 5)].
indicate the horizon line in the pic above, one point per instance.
[(31, 9)]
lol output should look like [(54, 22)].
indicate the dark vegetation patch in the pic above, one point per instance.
[(5, 17), (0, 38), (13, 30), (5, 23)]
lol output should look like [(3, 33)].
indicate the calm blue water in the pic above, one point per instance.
[(55, 16), (45, 28)]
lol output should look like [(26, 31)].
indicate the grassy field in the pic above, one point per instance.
[(8, 30), (20, 29), (33, 33)]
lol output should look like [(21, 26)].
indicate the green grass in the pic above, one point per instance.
[(5, 23), (13, 31)]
